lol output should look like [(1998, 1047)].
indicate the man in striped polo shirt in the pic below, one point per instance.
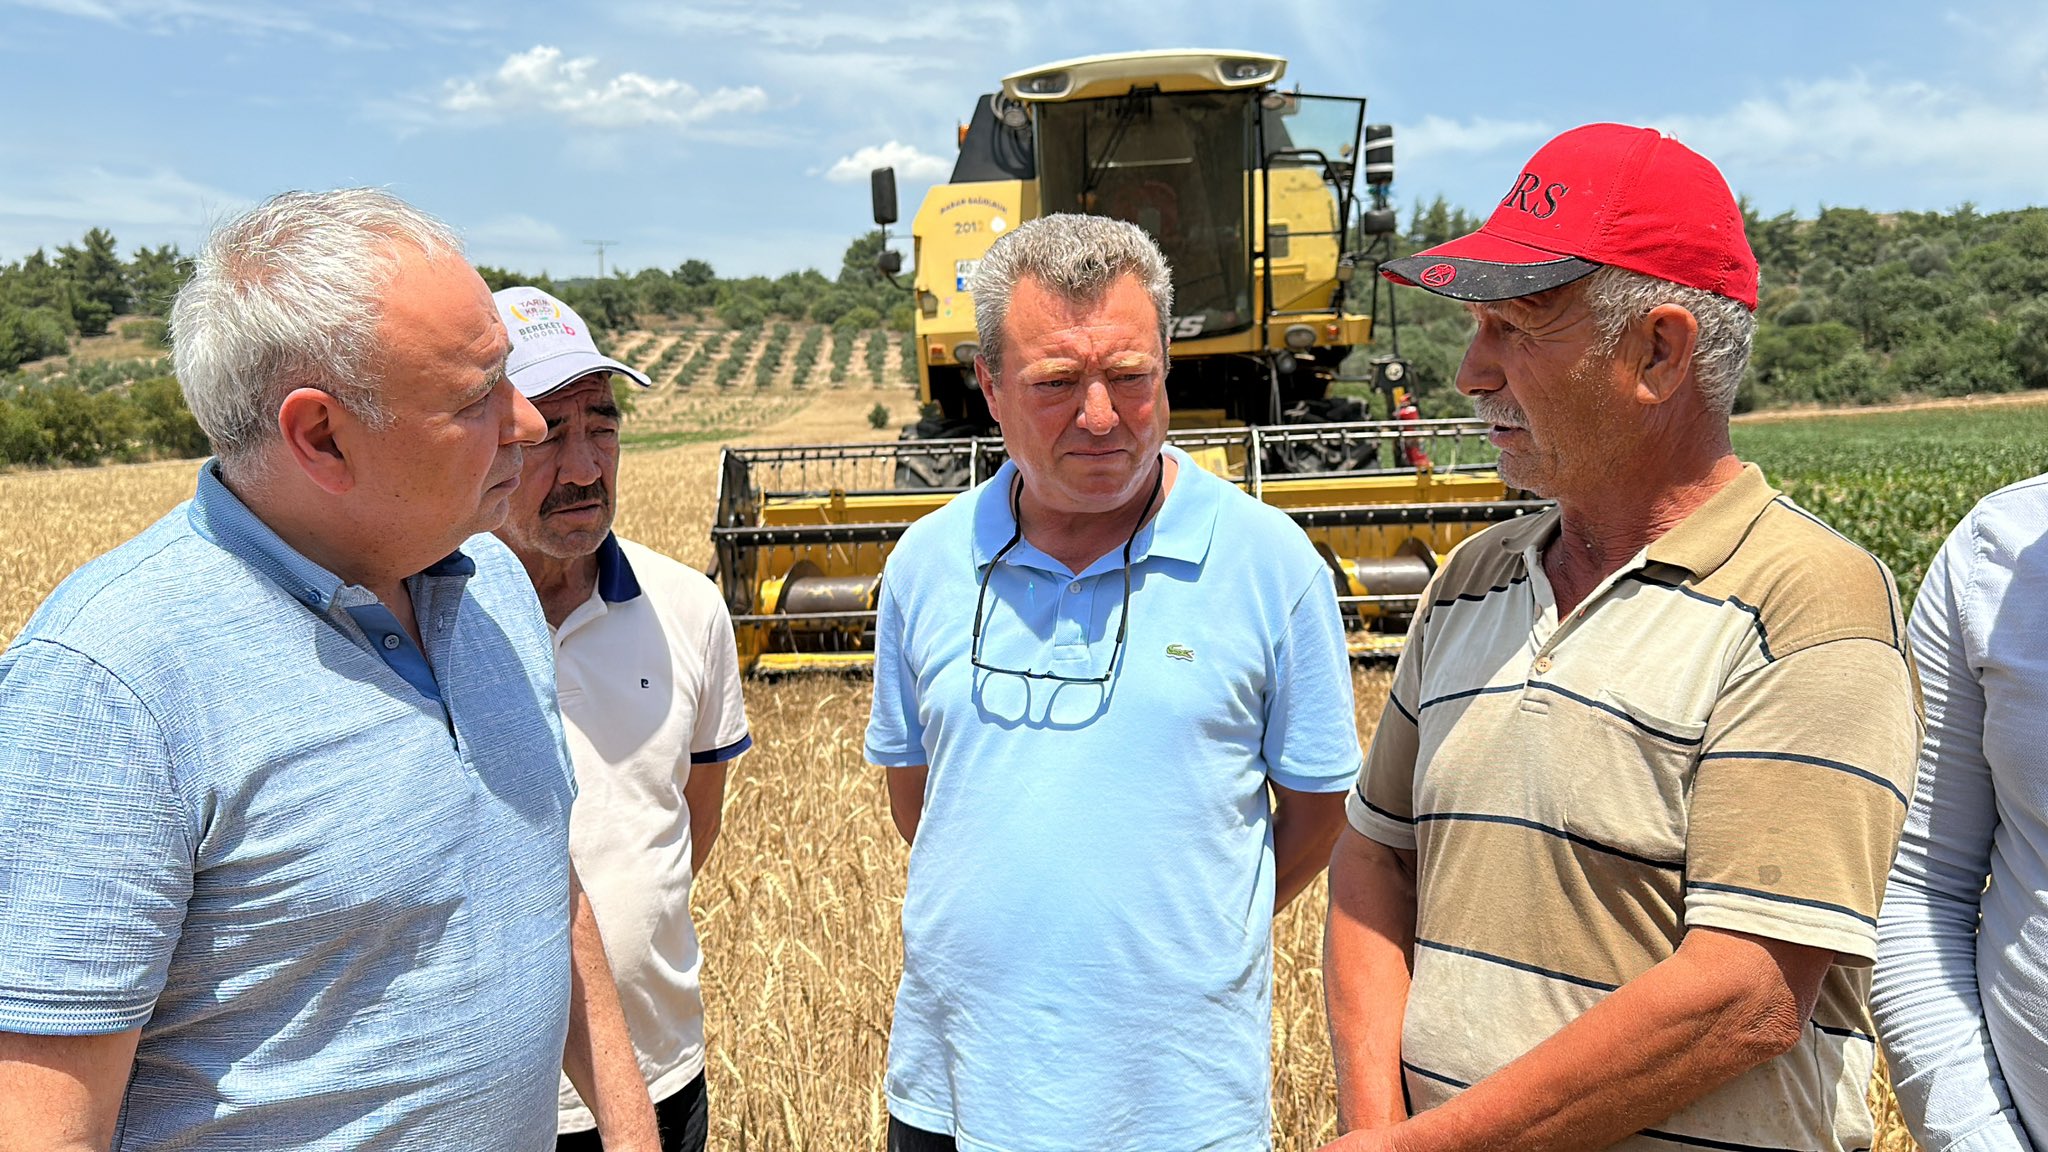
[(1615, 857)]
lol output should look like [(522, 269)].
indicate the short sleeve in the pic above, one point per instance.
[(1381, 805), (721, 733), (895, 737), (96, 848), (1311, 738), (1800, 793)]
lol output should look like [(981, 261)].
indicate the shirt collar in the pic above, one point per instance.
[(1700, 543), (615, 579), (1181, 530), (1705, 540), (218, 515)]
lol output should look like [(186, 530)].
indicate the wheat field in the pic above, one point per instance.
[(798, 908)]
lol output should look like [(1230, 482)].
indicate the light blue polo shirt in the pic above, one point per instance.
[(1087, 930), (325, 874)]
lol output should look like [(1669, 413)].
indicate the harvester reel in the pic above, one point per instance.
[(1333, 454)]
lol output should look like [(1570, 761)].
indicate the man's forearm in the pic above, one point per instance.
[(1305, 827), (1652, 1047), (598, 1057), (705, 797), (1368, 946)]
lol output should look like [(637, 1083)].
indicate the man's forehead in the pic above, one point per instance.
[(591, 391), (1536, 305)]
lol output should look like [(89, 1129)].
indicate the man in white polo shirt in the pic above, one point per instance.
[(650, 696)]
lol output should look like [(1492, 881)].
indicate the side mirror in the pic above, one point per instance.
[(1379, 155), (883, 183), (1379, 222), (889, 261)]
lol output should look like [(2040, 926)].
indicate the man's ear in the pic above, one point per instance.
[(313, 425), (1666, 337), (987, 381)]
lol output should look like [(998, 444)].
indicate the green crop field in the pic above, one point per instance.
[(1897, 482)]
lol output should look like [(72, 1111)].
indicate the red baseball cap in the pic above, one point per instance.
[(1602, 194)]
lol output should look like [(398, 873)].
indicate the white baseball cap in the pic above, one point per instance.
[(551, 344)]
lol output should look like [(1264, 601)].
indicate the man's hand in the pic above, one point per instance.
[(1363, 1140), (598, 1056), (63, 1093)]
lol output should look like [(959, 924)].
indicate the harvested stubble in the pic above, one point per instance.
[(799, 905)]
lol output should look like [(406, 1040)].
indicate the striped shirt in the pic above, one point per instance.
[(1723, 733)]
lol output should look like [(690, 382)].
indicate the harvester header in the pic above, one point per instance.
[(1251, 192)]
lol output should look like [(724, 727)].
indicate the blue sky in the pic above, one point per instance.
[(740, 131)]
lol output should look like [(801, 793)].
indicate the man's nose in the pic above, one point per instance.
[(1098, 412), (1480, 370), (525, 424), (578, 462)]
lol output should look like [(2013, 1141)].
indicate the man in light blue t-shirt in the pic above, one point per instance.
[(1112, 698), (284, 799)]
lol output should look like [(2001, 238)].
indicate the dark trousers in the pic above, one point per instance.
[(904, 1138), (681, 1116)]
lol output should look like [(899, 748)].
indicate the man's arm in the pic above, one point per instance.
[(1368, 952), (598, 1057), (705, 794), (1304, 827), (1722, 1004), (906, 799), (63, 1093)]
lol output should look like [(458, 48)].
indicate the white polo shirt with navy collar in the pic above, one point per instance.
[(649, 683)]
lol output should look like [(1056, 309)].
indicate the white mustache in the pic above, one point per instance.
[(1495, 411)]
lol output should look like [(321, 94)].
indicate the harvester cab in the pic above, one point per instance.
[(1249, 190)]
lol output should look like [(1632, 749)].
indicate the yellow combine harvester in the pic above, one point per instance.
[(1248, 189)]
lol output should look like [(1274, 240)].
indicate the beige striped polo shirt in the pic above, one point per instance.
[(1723, 734)]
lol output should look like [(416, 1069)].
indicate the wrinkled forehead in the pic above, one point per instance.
[(591, 392)]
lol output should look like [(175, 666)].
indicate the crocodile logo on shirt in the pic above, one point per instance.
[(1181, 652)]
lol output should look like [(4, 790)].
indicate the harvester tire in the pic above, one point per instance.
[(935, 469)]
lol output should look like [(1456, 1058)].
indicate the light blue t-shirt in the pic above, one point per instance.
[(336, 904), (1087, 930)]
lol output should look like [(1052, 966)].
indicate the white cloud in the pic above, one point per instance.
[(541, 80), (1941, 143), (41, 206), (911, 164), (1437, 136)]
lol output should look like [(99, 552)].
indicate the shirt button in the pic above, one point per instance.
[(1074, 587), (391, 643), (1542, 664)]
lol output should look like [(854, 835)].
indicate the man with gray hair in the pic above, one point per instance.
[(285, 788), (1615, 859), (1112, 700)]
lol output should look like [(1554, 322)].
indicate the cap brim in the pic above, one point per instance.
[(541, 377), (1482, 267)]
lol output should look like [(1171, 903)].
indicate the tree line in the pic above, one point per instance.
[(1857, 308), (70, 409)]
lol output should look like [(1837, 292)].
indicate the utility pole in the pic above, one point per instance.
[(600, 245)]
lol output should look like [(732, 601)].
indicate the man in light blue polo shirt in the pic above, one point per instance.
[(1112, 698), (284, 798)]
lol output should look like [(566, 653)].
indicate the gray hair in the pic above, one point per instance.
[(1075, 257), (288, 296), (1617, 297)]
